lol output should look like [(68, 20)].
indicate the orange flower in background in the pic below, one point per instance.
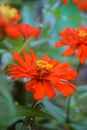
[(64, 1), (9, 15), (76, 40), (45, 75), (25, 30), (9, 18), (81, 4)]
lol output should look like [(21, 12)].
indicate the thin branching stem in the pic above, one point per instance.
[(70, 98)]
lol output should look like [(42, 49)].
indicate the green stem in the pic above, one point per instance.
[(25, 45), (78, 68), (69, 99), (34, 103), (68, 110)]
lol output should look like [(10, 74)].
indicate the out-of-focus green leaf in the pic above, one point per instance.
[(4, 84), (28, 14), (23, 111), (7, 110), (79, 125), (21, 126), (82, 88), (6, 58), (54, 111)]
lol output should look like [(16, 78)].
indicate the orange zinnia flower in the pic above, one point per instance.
[(76, 39), (64, 1), (9, 26), (8, 14), (45, 75), (25, 30), (81, 4)]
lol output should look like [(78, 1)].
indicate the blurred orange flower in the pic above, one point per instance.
[(76, 39), (9, 18), (64, 1), (25, 30), (81, 4), (9, 15), (45, 75)]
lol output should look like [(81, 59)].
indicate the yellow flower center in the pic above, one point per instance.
[(43, 65), (82, 34)]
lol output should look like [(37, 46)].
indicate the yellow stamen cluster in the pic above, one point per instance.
[(82, 34), (9, 14), (43, 65)]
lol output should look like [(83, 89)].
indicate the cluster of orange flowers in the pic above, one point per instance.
[(45, 75), (9, 18), (81, 4)]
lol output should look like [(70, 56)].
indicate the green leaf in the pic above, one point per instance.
[(21, 126), (79, 125), (55, 111), (7, 112), (4, 91), (82, 88), (24, 111), (6, 58)]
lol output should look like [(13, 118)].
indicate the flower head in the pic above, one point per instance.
[(45, 75), (81, 4), (9, 15), (76, 40), (9, 18), (24, 30)]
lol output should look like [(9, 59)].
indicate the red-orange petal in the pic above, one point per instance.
[(12, 31), (49, 91), (31, 85), (69, 51), (59, 44), (65, 89), (39, 91), (17, 57)]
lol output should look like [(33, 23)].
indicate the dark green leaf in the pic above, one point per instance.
[(4, 91), (21, 126), (24, 111), (55, 111), (7, 112)]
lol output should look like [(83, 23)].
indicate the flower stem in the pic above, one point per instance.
[(69, 99), (34, 103), (25, 44), (78, 68), (68, 110)]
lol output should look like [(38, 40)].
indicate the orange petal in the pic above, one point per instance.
[(31, 85), (65, 89), (27, 57), (39, 91), (46, 58), (78, 54), (69, 51), (18, 58), (83, 58), (34, 57), (50, 92), (12, 31), (59, 44)]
